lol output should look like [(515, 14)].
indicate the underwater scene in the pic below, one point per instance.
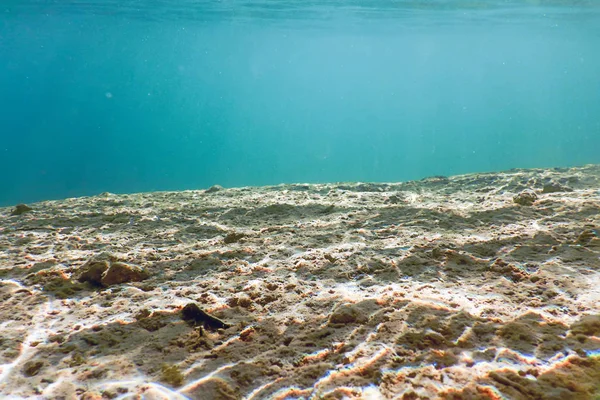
[(300, 200)]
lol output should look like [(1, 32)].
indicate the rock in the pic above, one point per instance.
[(216, 389), (31, 368), (233, 237), (119, 272), (586, 237), (588, 325), (21, 209), (153, 322), (241, 301), (326, 210), (144, 313), (393, 199), (554, 187), (213, 189), (347, 314), (192, 314), (92, 272), (105, 270), (526, 198)]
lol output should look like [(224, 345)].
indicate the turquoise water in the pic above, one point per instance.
[(129, 96)]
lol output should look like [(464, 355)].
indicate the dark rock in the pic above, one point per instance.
[(92, 272), (554, 187), (144, 313), (31, 368), (526, 198), (241, 301), (21, 209), (193, 315), (586, 237), (394, 199), (233, 237), (153, 323)]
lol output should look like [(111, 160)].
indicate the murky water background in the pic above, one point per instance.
[(128, 96)]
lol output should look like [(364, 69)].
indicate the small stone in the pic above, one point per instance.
[(31, 368), (554, 187), (108, 394), (21, 209), (233, 237), (586, 237), (144, 313), (328, 209), (394, 199), (213, 189), (525, 198), (241, 301), (347, 314)]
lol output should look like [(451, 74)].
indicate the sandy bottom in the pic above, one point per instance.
[(482, 286)]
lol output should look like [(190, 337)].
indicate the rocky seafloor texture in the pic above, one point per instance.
[(482, 286)]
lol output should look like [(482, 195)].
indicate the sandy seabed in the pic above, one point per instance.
[(481, 286)]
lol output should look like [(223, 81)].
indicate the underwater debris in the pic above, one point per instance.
[(526, 198), (21, 209), (193, 315)]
